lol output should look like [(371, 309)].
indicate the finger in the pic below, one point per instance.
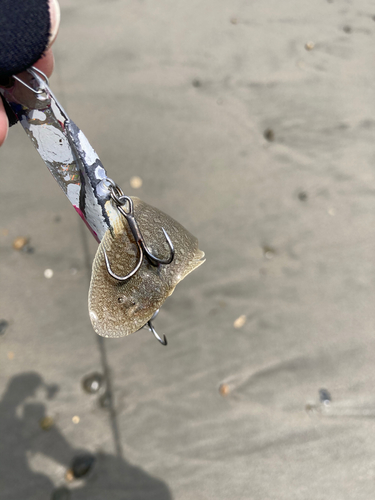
[(46, 63), (54, 12), (3, 123)]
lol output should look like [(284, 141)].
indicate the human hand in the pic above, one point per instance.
[(45, 63)]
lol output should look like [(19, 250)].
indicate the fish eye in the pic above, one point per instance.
[(121, 300)]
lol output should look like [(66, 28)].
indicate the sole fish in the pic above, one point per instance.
[(120, 308)]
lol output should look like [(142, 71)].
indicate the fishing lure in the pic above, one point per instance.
[(143, 253)]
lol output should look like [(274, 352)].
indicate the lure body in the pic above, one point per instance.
[(63, 147)]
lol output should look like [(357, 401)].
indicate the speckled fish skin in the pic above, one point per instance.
[(121, 308)]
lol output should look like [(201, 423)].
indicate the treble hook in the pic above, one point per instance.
[(163, 340), (123, 278), (133, 225), (150, 326)]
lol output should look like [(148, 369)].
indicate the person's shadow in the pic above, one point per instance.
[(21, 434)]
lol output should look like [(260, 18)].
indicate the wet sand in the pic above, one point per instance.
[(253, 125)]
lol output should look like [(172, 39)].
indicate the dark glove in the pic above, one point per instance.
[(24, 36)]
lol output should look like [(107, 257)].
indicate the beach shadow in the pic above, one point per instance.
[(116, 479), (22, 435)]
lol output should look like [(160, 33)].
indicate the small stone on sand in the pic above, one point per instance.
[(224, 389), (69, 476), (48, 273), (46, 423), (269, 134), (240, 321), (20, 242), (136, 182)]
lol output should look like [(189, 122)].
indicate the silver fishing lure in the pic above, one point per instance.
[(63, 147), (131, 276)]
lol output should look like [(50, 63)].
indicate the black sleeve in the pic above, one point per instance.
[(24, 34)]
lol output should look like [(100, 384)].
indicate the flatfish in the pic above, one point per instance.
[(119, 308)]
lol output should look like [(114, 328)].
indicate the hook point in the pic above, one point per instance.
[(163, 340)]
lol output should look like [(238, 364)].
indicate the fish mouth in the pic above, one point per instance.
[(203, 257)]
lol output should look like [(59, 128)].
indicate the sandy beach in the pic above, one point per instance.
[(252, 124)]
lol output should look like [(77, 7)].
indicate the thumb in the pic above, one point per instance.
[(15, 55), (27, 29), (54, 13), (46, 62)]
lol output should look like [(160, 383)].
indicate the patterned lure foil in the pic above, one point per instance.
[(63, 147)]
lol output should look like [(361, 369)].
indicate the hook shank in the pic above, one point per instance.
[(121, 200)]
